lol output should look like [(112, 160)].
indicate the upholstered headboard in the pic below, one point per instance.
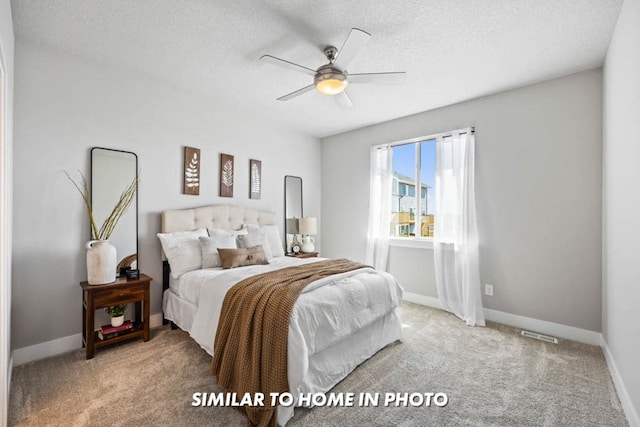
[(226, 217)]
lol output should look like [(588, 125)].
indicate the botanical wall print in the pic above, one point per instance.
[(226, 175), (191, 171), (255, 179)]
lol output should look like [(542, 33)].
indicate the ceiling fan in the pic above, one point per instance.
[(333, 78)]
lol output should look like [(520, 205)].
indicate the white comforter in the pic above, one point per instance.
[(327, 311)]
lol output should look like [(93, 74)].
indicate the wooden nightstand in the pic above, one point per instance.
[(303, 254), (121, 291)]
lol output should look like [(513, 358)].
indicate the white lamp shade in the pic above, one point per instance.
[(308, 225)]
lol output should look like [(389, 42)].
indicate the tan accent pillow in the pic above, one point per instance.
[(232, 258)]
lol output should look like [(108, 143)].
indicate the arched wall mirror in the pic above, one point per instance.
[(292, 207), (111, 173)]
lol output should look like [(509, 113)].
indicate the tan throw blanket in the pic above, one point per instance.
[(250, 348)]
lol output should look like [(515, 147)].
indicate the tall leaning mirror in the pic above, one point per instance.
[(292, 207), (111, 172)]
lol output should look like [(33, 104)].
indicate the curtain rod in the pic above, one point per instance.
[(473, 130), (425, 138)]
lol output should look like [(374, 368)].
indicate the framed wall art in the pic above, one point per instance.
[(255, 179), (226, 175), (191, 175)]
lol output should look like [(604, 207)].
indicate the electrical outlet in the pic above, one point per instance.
[(488, 290)]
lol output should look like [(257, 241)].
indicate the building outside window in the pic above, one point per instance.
[(413, 163)]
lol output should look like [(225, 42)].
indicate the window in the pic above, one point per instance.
[(414, 164)]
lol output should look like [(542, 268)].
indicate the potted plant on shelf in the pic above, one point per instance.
[(101, 255), (116, 313)]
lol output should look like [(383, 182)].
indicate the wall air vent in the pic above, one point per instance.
[(539, 336)]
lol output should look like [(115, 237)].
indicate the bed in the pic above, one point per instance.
[(336, 324)]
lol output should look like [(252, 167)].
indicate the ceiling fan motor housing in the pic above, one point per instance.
[(329, 80)]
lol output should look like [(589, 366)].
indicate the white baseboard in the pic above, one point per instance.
[(60, 345), (46, 349), (542, 326), (422, 300), (630, 411), (535, 325)]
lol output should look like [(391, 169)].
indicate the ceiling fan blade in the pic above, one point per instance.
[(343, 100), (297, 93), (287, 64), (356, 40), (378, 78)]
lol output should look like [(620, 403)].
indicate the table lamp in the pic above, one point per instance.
[(307, 226)]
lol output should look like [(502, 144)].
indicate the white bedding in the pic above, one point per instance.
[(361, 305)]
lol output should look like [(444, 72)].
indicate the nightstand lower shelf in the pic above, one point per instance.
[(121, 291), (138, 331)]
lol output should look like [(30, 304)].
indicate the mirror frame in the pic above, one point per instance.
[(286, 178), (133, 205)]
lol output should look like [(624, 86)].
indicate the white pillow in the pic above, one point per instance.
[(210, 245), (273, 238), (182, 249), (255, 238), (213, 232)]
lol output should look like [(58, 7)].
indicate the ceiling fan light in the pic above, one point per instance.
[(330, 81), (331, 86)]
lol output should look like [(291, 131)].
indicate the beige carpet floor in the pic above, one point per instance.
[(492, 376)]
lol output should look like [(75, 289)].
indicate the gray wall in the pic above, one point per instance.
[(65, 105), (621, 293), (538, 186), (420, 278)]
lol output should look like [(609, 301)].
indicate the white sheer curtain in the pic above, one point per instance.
[(455, 232), (380, 182)]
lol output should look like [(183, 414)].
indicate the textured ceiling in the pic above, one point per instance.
[(451, 50)]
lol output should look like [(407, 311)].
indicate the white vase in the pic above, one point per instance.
[(101, 262), (307, 244), (117, 321)]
